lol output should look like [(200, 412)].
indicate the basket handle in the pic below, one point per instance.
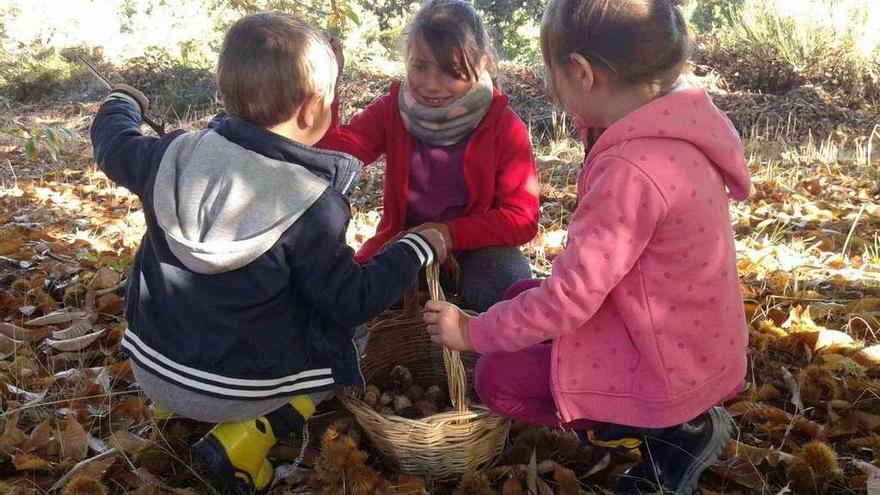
[(455, 374)]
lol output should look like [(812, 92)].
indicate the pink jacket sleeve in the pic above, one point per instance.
[(618, 212)]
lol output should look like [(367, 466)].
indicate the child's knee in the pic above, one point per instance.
[(488, 382), (520, 286)]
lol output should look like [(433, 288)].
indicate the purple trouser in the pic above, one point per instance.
[(517, 384)]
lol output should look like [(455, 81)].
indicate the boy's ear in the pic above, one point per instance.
[(311, 111), (582, 72)]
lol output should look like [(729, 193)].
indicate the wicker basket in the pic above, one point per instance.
[(440, 446)]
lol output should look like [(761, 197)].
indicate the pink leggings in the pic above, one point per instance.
[(517, 384)]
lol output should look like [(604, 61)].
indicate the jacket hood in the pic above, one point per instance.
[(689, 115), (221, 205)]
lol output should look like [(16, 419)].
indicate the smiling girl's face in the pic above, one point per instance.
[(429, 84)]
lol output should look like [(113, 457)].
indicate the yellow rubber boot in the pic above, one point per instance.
[(304, 406), (233, 456)]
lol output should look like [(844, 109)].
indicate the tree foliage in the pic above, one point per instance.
[(502, 17)]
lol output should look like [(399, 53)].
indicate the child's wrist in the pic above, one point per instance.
[(465, 324)]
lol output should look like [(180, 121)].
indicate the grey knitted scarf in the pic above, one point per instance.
[(451, 123)]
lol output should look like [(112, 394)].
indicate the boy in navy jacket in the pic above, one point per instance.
[(243, 298)]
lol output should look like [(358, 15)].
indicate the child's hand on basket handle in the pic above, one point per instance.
[(438, 242), (439, 227), (447, 325)]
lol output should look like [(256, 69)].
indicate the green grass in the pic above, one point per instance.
[(808, 32)]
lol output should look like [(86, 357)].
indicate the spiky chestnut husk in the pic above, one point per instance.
[(814, 467), (541, 440), (342, 466), (474, 483), (20, 286), (84, 485), (818, 385)]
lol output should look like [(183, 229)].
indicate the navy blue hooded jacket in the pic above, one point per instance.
[(243, 286)]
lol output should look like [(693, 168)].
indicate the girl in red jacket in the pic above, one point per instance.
[(643, 310), (458, 158)]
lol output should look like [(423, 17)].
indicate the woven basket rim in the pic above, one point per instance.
[(473, 413)]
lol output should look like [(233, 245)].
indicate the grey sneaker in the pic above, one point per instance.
[(674, 458)]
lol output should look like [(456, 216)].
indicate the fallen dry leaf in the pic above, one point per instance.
[(12, 436), (105, 278), (740, 471), (81, 327), (76, 343), (756, 455), (127, 441), (16, 332), (828, 339), (39, 437), (873, 472), (56, 318), (8, 346), (94, 468), (110, 304), (74, 440), (543, 487)]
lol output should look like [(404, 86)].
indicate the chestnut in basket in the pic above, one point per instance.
[(425, 408), (414, 402), (400, 379), (401, 403), (411, 412), (415, 392), (435, 394), (371, 395)]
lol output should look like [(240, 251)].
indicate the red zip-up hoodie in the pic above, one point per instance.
[(499, 170)]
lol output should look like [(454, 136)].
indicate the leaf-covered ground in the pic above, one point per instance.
[(809, 259)]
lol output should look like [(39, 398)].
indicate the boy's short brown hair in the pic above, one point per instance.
[(270, 63)]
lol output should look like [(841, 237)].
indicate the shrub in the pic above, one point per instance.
[(808, 31), (34, 74), (174, 85), (710, 15), (775, 45)]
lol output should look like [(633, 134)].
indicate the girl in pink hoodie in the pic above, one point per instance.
[(639, 332)]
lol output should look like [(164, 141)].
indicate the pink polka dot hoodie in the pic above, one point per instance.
[(644, 305)]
